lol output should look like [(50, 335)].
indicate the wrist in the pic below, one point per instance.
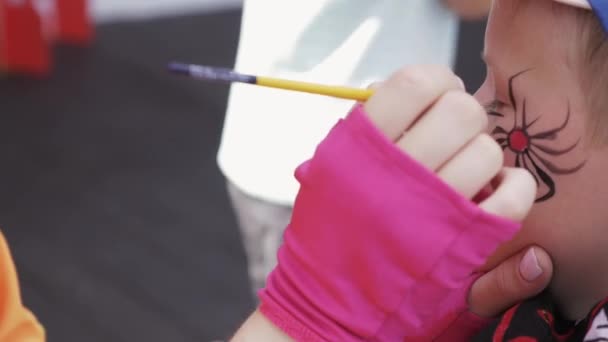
[(259, 328)]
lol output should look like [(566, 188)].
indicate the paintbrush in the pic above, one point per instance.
[(226, 75)]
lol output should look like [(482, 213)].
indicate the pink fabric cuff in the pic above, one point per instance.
[(378, 248)]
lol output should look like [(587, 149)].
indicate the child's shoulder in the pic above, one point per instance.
[(538, 319)]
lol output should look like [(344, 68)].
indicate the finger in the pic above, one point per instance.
[(374, 85), (473, 167), (514, 194), (518, 278), (402, 98), (446, 128)]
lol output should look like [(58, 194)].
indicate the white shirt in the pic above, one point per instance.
[(268, 132)]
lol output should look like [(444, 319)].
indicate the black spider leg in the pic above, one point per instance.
[(552, 133), (525, 125), (556, 169), (502, 141), (555, 152), (513, 102), (547, 180), (499, 130), (544, 177), (512, 95), (523, 113), (529, 169), (518, 160)]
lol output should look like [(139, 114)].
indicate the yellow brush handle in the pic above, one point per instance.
[(335, 91)]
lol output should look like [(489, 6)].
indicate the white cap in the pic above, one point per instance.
[(577, 3)]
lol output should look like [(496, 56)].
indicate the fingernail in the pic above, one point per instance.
[(529, 268)]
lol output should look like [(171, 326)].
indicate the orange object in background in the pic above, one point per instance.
[(73, 22), (23, 47), (17, 323)]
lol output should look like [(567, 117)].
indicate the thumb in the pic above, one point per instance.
[(516, 279)]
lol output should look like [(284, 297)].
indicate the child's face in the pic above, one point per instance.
[(540, 120)]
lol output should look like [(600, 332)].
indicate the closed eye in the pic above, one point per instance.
[(493, 108)]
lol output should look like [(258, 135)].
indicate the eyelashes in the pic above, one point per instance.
[(493, 108)]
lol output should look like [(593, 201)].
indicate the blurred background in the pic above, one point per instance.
[(110, 194)]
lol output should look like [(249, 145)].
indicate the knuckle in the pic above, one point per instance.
[(526, 187), (526, 178), (426, 81), (491, 151), (504, 282), (438, 70), (427, 77), (466, 107), (515, 204), (413, 77)]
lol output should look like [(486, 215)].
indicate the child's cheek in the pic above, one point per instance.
[(509, 160)]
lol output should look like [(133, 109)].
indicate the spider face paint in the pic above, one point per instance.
[(531, 149)]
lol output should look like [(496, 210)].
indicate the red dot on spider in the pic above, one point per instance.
[(519, 141)]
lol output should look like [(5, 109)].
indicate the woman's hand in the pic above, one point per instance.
[(385, 238)]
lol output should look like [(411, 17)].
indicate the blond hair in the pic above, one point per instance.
[(595, 75), (590, 57)]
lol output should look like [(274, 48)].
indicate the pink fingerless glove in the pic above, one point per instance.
[(378, 248)]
